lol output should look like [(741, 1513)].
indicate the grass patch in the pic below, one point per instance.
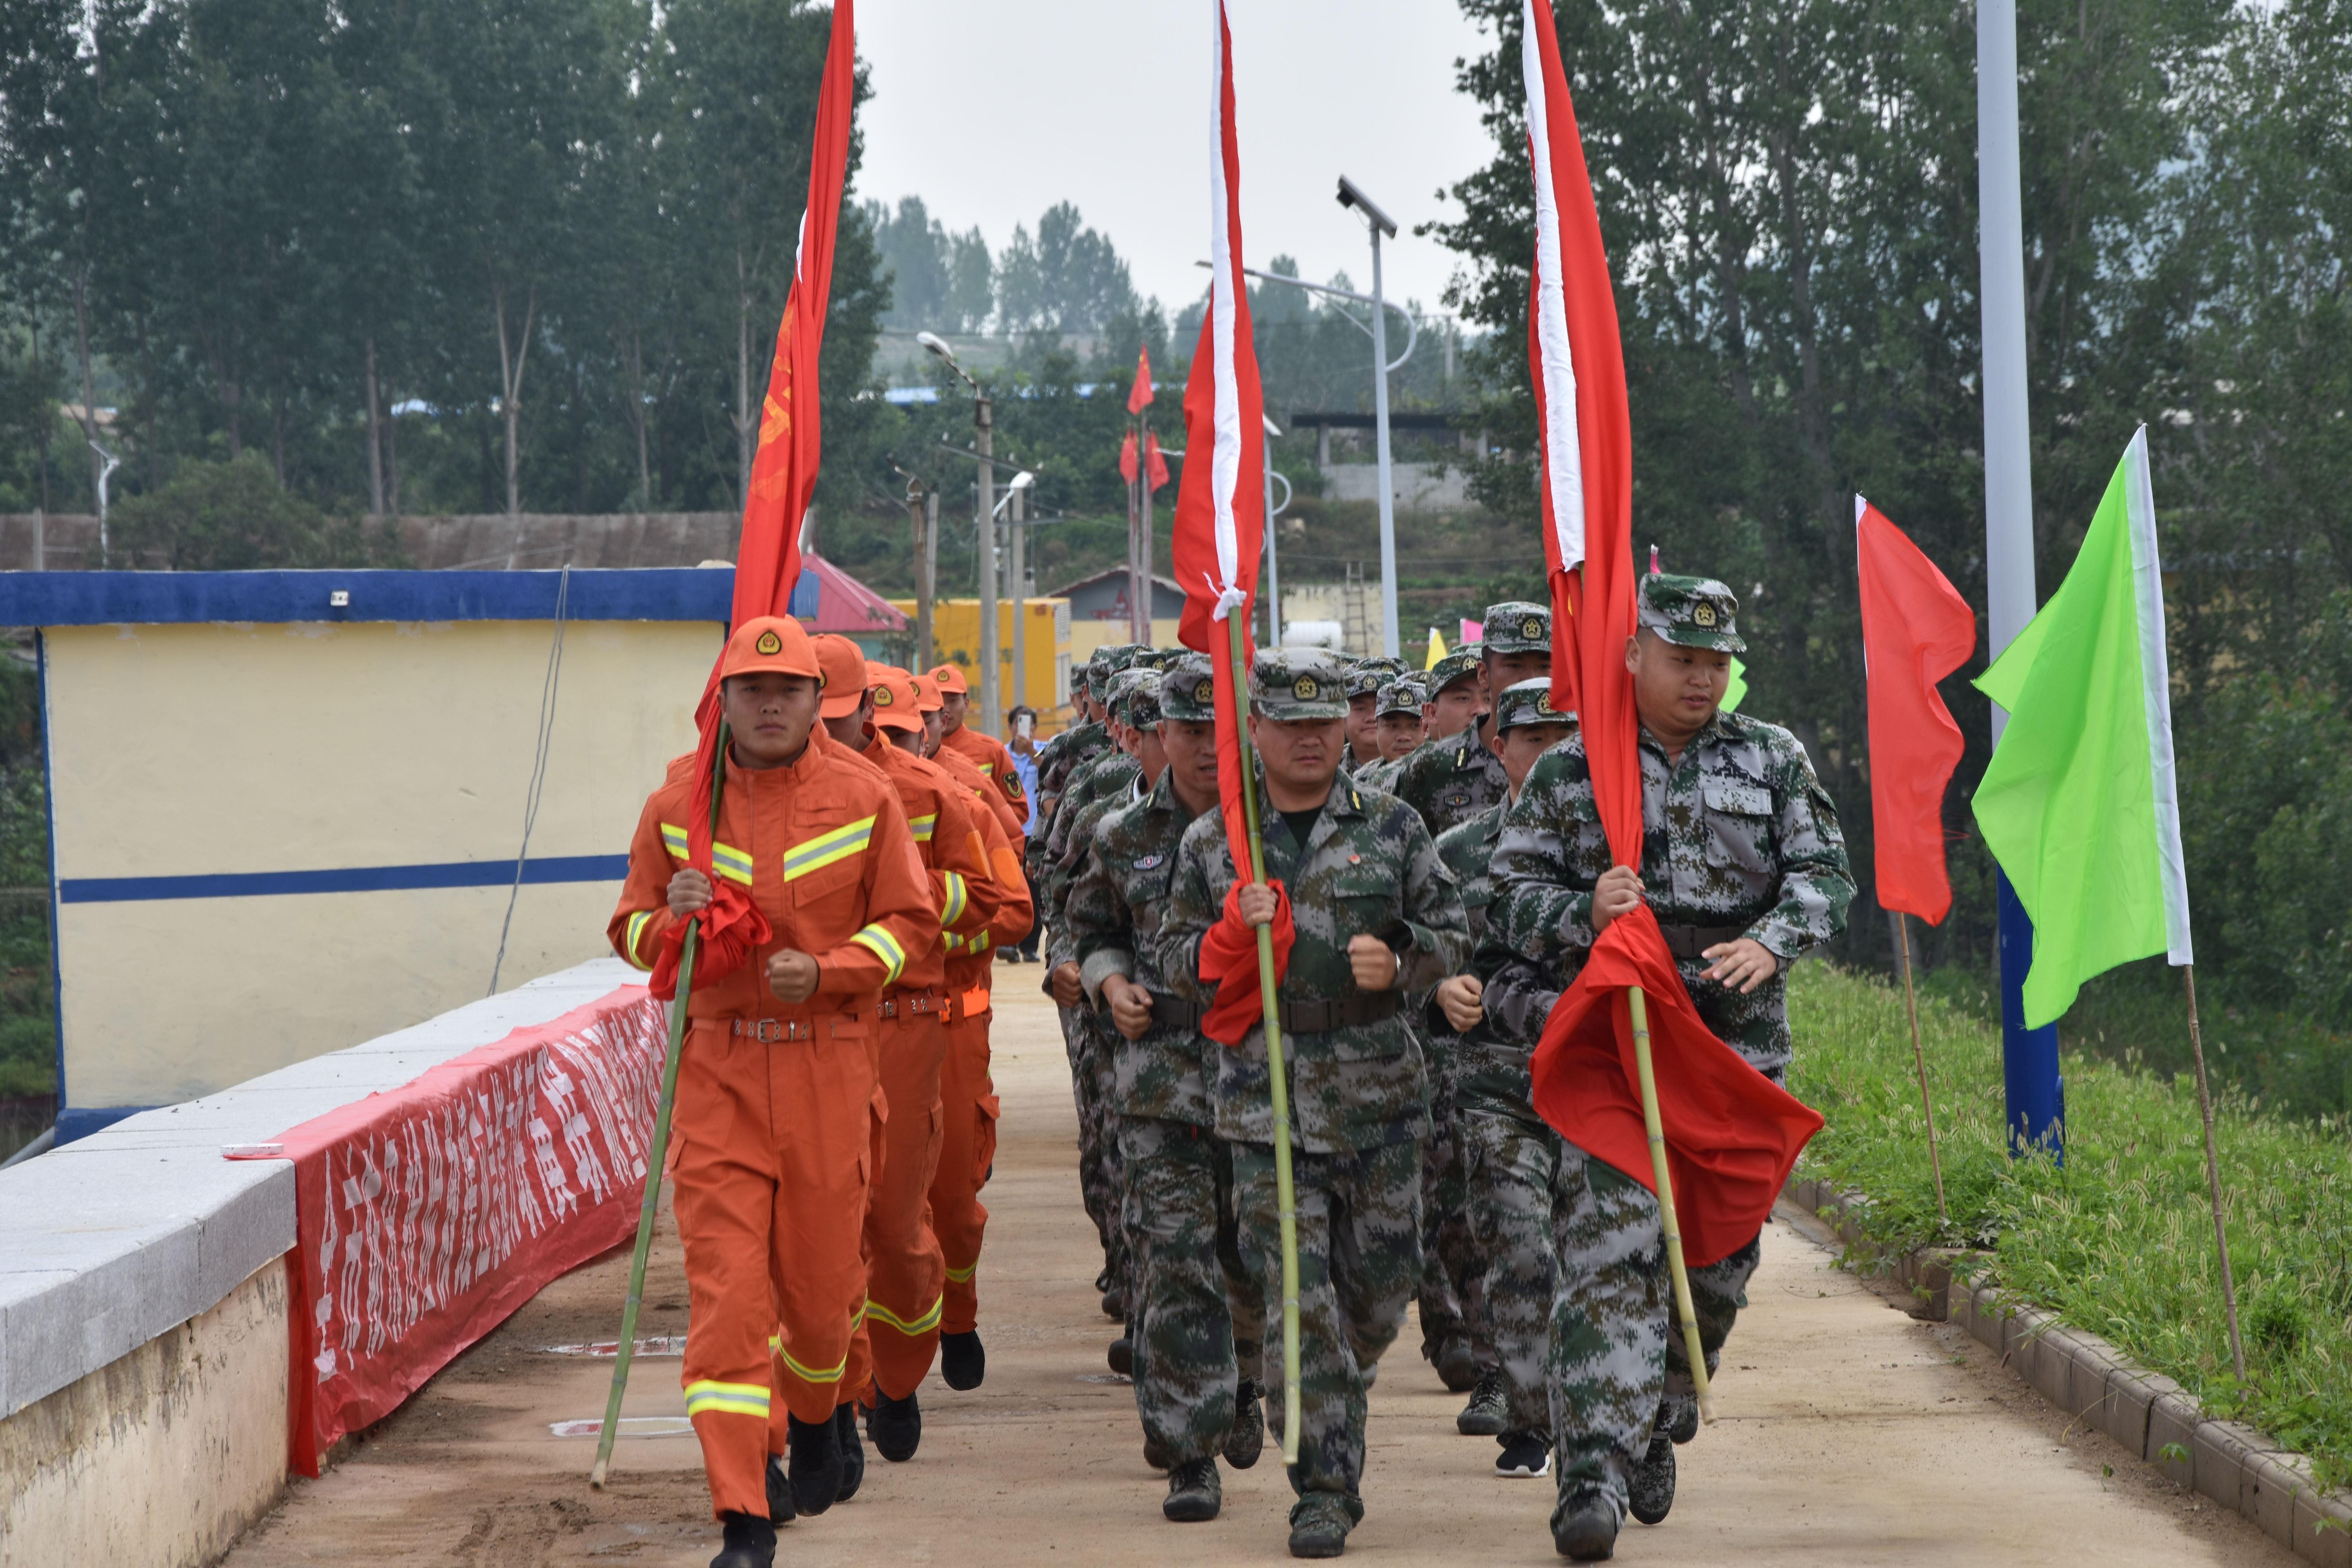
[(2120, 1240)]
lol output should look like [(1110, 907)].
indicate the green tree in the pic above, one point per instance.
[(235, 517)]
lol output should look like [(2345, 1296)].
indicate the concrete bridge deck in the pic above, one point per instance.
[(1853, 1434)]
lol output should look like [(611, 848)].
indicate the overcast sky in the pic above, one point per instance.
[(991, 110)]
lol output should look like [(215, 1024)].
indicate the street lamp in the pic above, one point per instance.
[(109, 463), (1379, 222), (1016, 505), (983, 415), (1273, 577)]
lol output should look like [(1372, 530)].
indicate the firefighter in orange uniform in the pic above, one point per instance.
[(775, 1079), (986, 753), (968, 1098), (904, 1268)]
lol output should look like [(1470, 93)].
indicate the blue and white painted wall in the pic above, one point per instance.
[(287, 807)]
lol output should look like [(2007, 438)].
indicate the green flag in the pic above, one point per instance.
[(2078, 805)]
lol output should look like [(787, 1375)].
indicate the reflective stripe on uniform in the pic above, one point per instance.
[(964, 1276), (637, 929), (727, 1399), (923, 1324), (884, 946), (729, 862), (813, 1374), (957, 899), (827, 848), (924, 827)]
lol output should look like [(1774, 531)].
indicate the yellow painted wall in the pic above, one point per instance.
[(211, 748), (955, 639), (1087, 636)]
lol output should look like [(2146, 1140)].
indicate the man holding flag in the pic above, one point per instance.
[(1744, 868)]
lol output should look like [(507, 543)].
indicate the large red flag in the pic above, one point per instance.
[(1219, 526), (784, 467), (1732, 1135), (1916, 630)]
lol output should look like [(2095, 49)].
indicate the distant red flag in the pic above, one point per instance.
[(784, 467), (1126, 458), (1916, 630), (1157, 465), (1139, 391), (1732, 1135), (1219, 526)]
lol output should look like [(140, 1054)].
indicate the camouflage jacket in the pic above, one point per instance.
[(1058, 758), (1378, 775), (1082, 809), (1450, 781), (1369, 867), (1739, 837), (1468, 851), (1114, 911)]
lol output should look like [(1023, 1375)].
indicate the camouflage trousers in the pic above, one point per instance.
[(1616, 1350), (1453, 1294), (1359, 1219), (1510, 1158), (1087, 1038), (1198, 1315)]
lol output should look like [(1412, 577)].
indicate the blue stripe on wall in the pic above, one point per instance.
[(267, 598), (350, 880)]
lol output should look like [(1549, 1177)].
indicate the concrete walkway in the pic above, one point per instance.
[(1853, 1434)]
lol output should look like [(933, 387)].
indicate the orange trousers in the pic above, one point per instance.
[(904, 1267), (775, 1152), (968, 1111)]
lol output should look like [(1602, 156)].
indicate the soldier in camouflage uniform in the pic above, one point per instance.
[(1199, 1315), (1400, 726), (1457, 693), (1456, 779), (1743, 863), (1093, 789), (1363, 679), (1507, 1154), (1376, 917)]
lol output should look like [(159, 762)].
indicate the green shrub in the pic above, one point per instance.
[(2119, 1240)]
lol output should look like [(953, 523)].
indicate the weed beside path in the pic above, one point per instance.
[(2119, 1240)]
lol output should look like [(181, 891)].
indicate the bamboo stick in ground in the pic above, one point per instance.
[(2213, 1175), (1640, 1007), (1919, 1057)]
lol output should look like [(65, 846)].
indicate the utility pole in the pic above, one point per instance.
[(1379, 222), (1273, 595), (2035, 1091), (1019, 511), (927, 649), (108, 463), (919, 508), (983, 441), (1139, 538)]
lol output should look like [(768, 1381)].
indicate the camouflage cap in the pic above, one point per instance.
[(1453, 667), (1298, 683), (1528, 702), (1402, 695), (1367, 676), (1135, 697), (1188, 689), (1695, 612), (1108, 661), (1516, 627)]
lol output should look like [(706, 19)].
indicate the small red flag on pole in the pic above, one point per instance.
[(1139, 391), (1916, 630)]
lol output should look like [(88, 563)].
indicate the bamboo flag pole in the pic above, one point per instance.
[(1270, 997), (1920, 1057), (655, 1155), (2213, 1176), (1640, 1007)]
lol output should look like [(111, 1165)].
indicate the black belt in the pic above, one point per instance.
[(1175, 1013), (1692, 942), (1320, 1018)]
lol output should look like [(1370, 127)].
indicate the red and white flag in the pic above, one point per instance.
[(1732, 1135), (1916, 630), (1219, 526), (784, 467)]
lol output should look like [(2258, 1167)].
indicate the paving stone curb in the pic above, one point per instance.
[(2149, 1415)]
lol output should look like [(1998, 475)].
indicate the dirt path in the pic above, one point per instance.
[(1853, 1434)]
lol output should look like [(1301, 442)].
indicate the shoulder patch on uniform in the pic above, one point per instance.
[(1147, 862)]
